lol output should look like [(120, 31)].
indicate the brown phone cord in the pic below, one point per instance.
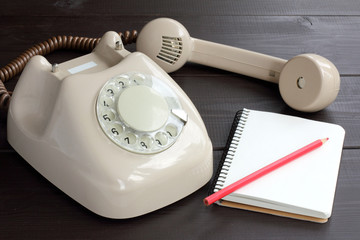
[(52, 44)]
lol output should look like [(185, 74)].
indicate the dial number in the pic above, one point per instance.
[(124, 134)]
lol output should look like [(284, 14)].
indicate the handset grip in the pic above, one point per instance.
[(237, 60)]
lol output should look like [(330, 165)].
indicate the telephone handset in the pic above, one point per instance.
[(111, 129), (307, 82)]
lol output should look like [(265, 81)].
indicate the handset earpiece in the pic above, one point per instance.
[(307, 82)]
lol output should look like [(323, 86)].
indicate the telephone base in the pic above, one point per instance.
[(53, 124)]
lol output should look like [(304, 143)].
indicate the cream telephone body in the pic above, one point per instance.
[(111, 129)]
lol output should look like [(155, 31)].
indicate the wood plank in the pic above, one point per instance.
[(32, 208), (180, 8), (335, 38), (218, 98), (286, 36), (29, 201)]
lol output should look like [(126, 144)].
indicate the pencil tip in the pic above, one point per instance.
[(324, 140)]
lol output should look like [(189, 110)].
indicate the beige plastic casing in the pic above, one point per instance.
[(319, 86), (204, 52), (237, 60), (169, 44), (52, 124)]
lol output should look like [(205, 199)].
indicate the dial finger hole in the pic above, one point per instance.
[(115, 129), (108, 116), (111, 90), (146, 142), (161, 139), (106, 101), (129, 138), (122, 81), (138, 78), (171, 130)]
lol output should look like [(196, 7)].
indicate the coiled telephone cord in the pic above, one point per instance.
[(52, 44)]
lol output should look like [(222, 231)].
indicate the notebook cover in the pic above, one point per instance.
[(272, 211)]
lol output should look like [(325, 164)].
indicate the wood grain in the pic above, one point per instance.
[(30, 203), (32, 208), (335, 38), (181, 8)]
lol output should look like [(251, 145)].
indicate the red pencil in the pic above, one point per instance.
[(263, 171)]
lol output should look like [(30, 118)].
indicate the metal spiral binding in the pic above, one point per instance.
[(231, 150)]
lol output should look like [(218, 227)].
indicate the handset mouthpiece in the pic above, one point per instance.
[(165, 41)]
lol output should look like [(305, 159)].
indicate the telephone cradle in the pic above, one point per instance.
[(111, 129)]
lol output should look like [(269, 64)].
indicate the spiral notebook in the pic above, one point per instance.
[(302, 189)]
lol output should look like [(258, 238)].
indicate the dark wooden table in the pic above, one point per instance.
[(32, 208)]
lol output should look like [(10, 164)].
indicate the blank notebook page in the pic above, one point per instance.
[(308, 182)]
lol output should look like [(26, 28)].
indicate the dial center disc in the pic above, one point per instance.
[(143, 108)]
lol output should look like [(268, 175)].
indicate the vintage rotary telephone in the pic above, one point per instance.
[(112, 129)]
